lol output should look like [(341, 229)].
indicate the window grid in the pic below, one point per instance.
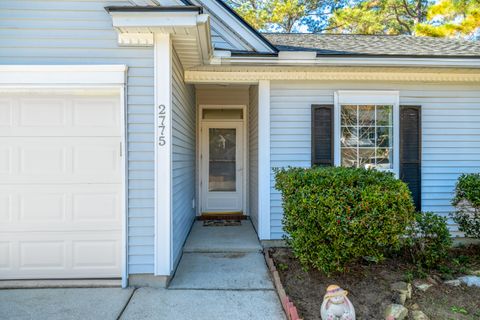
[(375, 127)]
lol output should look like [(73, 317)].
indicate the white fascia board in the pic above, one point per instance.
[(297, 55), (133, 19), (63, 74), (360, 61), (204, 37), (368, 96)]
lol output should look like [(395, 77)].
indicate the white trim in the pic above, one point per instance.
[(355, 61), (62, 74), (368, 97), (264, 170), (123, 150), (135, 39), (163, 154)]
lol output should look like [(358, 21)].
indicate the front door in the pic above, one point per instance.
[(222, 166)]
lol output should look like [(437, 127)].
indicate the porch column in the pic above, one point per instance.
[(163, 154), (264, 159)]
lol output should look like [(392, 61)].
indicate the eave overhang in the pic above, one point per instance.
[(187, 25)]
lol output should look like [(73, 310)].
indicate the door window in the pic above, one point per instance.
[(222, 160)]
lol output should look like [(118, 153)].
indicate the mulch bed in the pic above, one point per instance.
[(369, 286)]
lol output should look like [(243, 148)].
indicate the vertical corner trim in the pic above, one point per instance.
[(163, 155), (264, 170)]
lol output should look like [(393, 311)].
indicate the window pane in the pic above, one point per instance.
[(349, 137), (349, 157), (366, 158), (366, 116), (384, 158), (384, 116), (366, 137), (349, 115), (222, 165), (384, 137)]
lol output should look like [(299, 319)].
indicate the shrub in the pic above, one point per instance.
[(428, 239), (467, 203), (334, 216)]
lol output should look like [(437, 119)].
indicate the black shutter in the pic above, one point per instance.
[(411, 150), (322, 135)]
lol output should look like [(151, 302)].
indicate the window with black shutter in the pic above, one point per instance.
[(322, 135), (411, 150)]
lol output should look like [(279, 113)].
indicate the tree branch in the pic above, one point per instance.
[(407, 9), (402, 23)]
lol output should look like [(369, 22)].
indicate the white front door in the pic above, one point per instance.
[(222, 162)]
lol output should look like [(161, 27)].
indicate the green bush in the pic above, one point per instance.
[(467, 203), (334, 216), (428, 239)]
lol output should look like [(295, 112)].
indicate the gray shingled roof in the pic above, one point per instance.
[(328, 44)]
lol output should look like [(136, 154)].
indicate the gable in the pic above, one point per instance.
[(228, 30)]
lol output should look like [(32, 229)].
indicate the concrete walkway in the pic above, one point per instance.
[(63, 304), (222, 275)]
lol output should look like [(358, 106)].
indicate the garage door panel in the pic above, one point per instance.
[(60, 115), (46, 158), (45, 208), (5, 256), (94, 113), (99, 159), (6, 159), (45, 255), (88, 254), (60, 255), (35, 113), (60, 160), (6, 113)]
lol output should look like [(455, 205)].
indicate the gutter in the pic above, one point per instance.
[(310, 58)]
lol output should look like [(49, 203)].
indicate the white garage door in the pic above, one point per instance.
[(60, 184)]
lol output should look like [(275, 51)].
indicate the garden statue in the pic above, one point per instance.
[(336, 305)]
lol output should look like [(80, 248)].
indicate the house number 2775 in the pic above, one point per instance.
[(162, 115)]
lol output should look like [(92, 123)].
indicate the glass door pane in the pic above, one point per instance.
[(221, 161)]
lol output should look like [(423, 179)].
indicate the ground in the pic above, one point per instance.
[(369, 286)]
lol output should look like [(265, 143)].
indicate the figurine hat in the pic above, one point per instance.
[(335, 291)]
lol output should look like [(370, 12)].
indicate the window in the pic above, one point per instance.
[(366, 136), (366, 129)]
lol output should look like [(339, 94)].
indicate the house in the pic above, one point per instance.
[(122, 121)]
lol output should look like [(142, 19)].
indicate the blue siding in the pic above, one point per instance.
[(183, 149), (450, 133), (80, 32)]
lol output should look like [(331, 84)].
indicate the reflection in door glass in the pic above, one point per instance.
[(222, 166)]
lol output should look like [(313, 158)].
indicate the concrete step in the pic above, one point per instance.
[(222, 239), (222, 271)]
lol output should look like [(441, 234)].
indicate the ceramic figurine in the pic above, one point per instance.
[(336, 305)]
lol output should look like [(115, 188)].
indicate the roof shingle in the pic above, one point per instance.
[(378, 45)]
